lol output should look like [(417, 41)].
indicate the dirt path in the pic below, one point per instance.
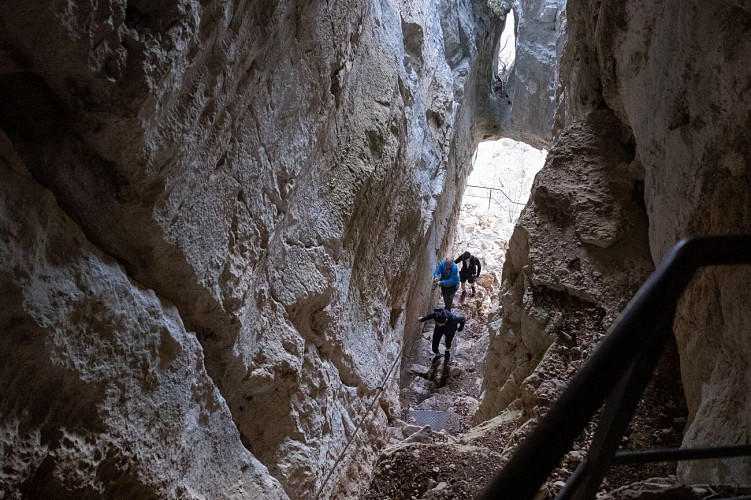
[(460, 394)]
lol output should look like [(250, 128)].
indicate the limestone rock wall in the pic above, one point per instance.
[(105, 393), (525, 109), (534, 83), (578, 252), (215, 218), (674, 76)]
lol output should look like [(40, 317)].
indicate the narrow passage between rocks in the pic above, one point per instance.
[(497, 189), (426, 451)]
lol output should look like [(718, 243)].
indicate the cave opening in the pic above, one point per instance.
[(497, 189), (503, 63)]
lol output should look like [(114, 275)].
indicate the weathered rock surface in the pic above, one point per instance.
[(671, 77), (230, 194), (577, 254), (534, 84), (105, 392), (207, 209), (675, 75)]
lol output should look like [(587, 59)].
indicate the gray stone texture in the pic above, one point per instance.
[(215, 217), (534, 85), (578, 253), (675, 76)]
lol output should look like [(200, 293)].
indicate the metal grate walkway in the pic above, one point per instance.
[(437, 420)]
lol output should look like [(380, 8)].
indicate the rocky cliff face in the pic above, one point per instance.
[(577, 253), (669, 80), (215, 217), (690, 115), (534, 83)]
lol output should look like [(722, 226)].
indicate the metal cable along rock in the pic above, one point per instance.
[(379, 391)]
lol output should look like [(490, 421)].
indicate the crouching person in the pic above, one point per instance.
[(446, 325)]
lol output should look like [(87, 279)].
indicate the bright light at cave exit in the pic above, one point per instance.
[(500, 182), (507, 45), (497, 190)]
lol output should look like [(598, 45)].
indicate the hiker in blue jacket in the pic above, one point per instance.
[(446, 325), (447, 275)]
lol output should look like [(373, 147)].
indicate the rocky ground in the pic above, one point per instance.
[(423, 462), (457, 461)]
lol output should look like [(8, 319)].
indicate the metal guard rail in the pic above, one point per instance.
[(616, 373)]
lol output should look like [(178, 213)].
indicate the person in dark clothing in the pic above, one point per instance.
[(470, 270), (447, 275), (446, 325)]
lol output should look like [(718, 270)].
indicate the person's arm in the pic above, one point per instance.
[(460, 320), (425, 318), (458, 259), (437, 272), (479, 266)]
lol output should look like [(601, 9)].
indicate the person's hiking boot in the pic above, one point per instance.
[(473, 290), (464, 294), (436, 358), (446, 355)]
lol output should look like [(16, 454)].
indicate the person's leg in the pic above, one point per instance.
[(449, 297), (436, 341), (446, 292), (471, 280), (448, 339)]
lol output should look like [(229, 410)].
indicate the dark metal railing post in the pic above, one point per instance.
[(616, 415)]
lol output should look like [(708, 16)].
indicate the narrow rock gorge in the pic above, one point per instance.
[(217, 216)]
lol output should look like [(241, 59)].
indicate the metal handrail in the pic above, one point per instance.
[(380, 389), (625, 358), (490, 196), (673, 455)]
